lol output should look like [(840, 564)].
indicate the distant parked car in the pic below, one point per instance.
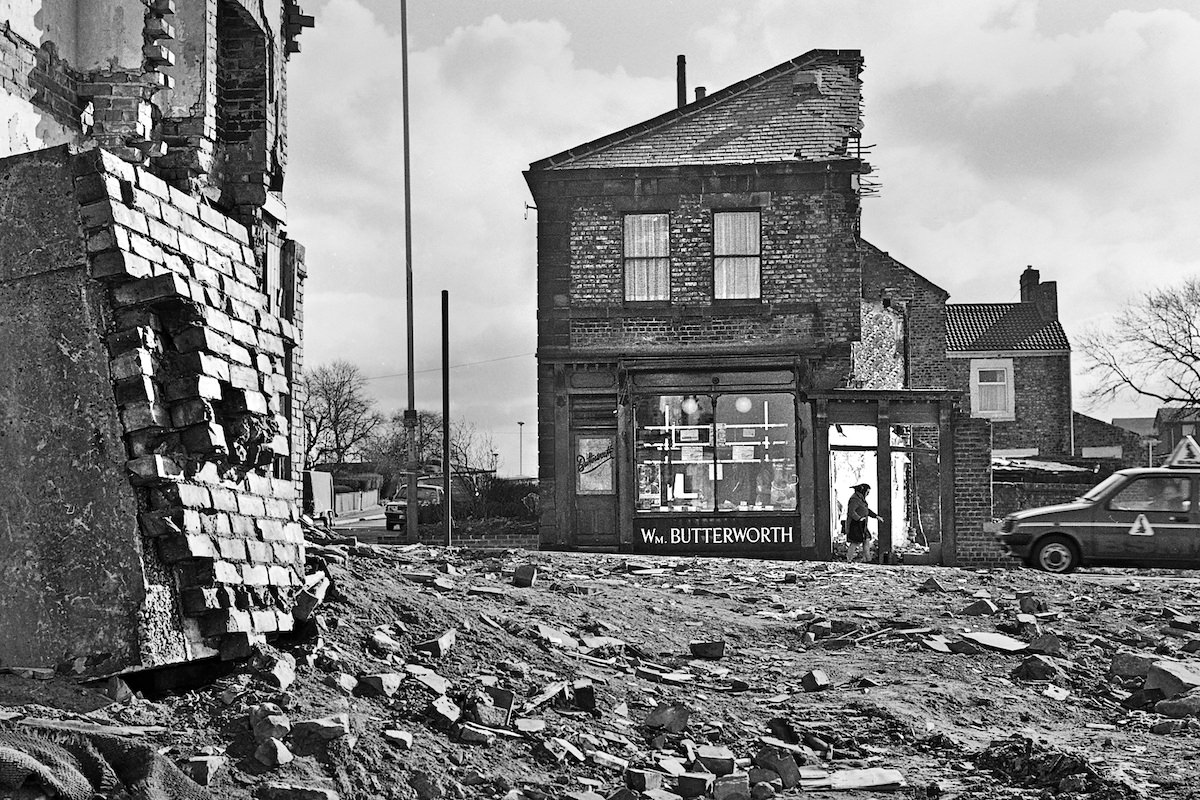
[(1136, 517), (429, 506)]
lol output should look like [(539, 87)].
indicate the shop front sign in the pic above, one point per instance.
[(741, 535)]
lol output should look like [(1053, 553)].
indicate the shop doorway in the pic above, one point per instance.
[(594, 456), (902, 451)]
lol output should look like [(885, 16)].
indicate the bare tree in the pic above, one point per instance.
[(473, 458), (388, 446), (1152, 349), (341, 416), (473, 455)]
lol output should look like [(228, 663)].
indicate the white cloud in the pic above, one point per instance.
[(485, 102), (1009, 132)]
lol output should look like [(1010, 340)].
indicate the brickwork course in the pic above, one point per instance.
[(151, 315)]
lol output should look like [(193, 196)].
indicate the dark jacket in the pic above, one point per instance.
[(857, 514)]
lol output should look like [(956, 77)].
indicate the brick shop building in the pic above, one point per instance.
[(151, 308), (721, 356)]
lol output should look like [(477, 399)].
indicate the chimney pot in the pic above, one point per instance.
[(700, 92), (681, 80)]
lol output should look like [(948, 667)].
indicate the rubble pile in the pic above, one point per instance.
[(421, 672)]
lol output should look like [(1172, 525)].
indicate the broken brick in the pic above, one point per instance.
[(815, 681), (437, 647), (525, 575), (671, 717), (781, 763), (707, 649), (694, 784), (380, 684), (717, 759)]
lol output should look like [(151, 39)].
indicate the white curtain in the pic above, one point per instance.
[(737, 254), (993, 390), (647, 257)]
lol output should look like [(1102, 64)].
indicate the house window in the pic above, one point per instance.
[(992, 393), (737, 255), (647, 257)]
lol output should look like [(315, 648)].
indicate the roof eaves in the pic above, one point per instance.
[(694, 107)]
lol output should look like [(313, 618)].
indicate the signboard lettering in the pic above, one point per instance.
[(749, 533)]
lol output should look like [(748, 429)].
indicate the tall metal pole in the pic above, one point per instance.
[(446, 495), (520, 449), (410, 413)]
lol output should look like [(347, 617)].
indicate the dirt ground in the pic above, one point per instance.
[(970, 724)]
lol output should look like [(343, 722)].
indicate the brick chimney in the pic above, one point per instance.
[(1044, 295)]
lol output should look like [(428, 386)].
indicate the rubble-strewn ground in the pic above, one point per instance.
[(973, 724)]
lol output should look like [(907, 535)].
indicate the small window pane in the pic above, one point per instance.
[(674, 453), (756, 452), (992, 397), (736, 233), (992, 376)]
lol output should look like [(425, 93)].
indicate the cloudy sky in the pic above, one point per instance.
[(1064, 134)]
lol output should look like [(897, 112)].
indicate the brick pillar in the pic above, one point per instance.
[(974, 546)]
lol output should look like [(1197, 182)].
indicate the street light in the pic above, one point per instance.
[(410, 413), (520, 449)]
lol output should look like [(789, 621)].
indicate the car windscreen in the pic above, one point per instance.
[(1101, 488)]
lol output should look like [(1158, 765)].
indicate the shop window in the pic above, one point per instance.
[(737, 255), (992, 392), (701, 453), (647, 257)]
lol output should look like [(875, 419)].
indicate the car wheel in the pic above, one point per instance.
[(1056, 554)]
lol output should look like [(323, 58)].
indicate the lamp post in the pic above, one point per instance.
[(520, 449), (410, 413)]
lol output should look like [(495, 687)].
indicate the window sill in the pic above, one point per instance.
[(647, 305), (738, 302)]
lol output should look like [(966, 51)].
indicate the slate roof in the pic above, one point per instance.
[(1142, 426), (1172, 415), (974, 327), (806, 109)]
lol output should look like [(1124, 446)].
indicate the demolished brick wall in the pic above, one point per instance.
[(195, 372)]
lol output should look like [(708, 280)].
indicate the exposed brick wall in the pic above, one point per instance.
[(1091, 432), (974, 547), (482, 540), (40, 77), (196, 370), (200, 377), (1010, 496), (921, 304), (1042, 389), (810, 276)]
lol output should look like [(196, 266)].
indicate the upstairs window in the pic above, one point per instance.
[(992, 392), (647, 257), (737, 255)]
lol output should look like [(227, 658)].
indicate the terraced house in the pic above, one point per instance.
[(151, 309), (721, 355)]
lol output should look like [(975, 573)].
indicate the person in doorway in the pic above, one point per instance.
[(858, 539)]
